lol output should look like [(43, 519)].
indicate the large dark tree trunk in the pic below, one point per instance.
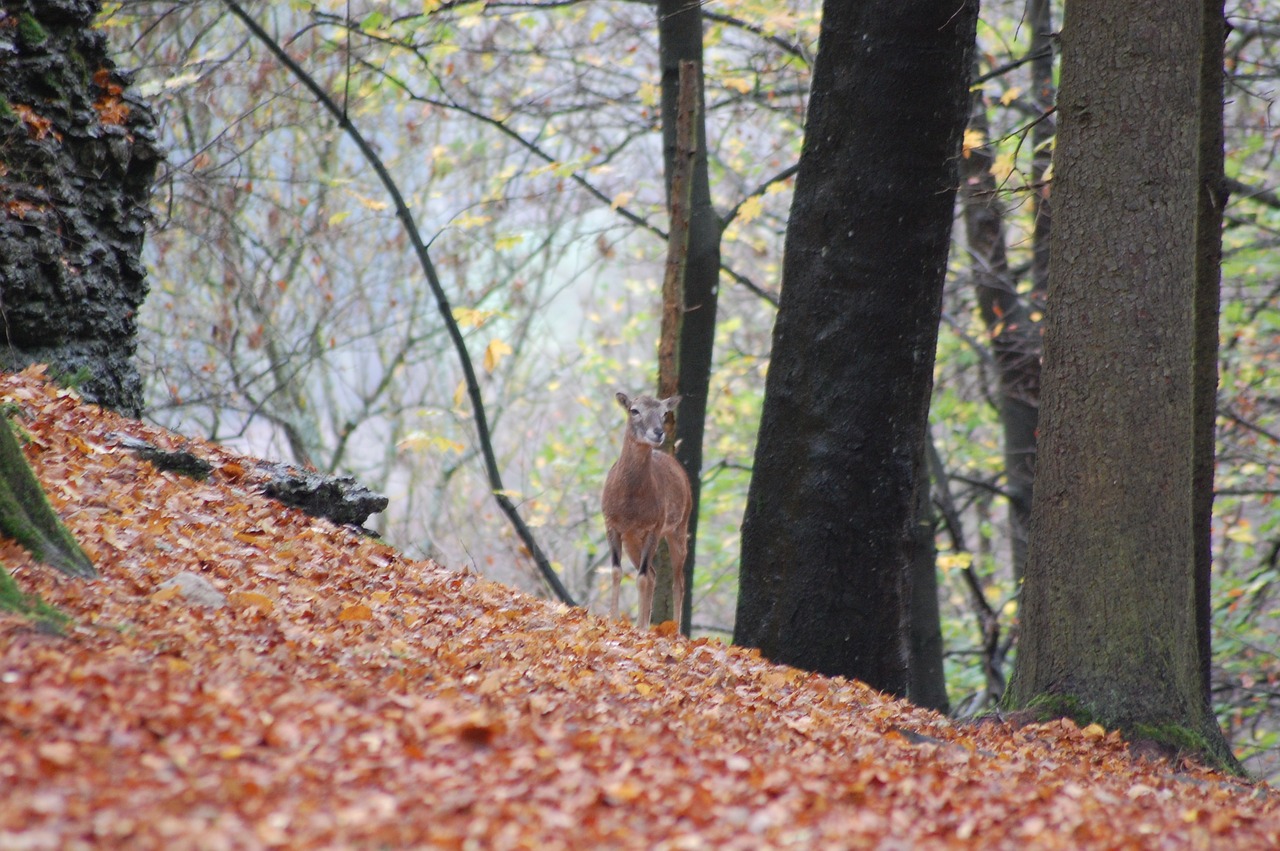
[(680, 38), (77, 158), (1114, 611), (828, 536)]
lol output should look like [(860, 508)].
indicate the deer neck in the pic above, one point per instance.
[(635, 463)]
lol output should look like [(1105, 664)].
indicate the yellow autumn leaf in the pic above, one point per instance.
[(750, 209), (356, 612), (494, 353), (370, 203), (1010, 95), (567, 168), (542, 169), (973, 139), (1003, 166), (950, 561), (470, 317), (466, 221), (442, 443), (338, 218), (741, 85), (648, 94), (621, 199), (507, 241), (459, 393)]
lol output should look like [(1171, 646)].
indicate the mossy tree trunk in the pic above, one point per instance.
[(25, 514), (77, 158), (1114, 608)]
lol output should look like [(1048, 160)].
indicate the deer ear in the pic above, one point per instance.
[(622, 399), (670, 404)]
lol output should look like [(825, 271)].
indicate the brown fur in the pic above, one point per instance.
[(647, 498)]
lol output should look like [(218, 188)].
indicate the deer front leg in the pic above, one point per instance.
[(615, 555), (646, 581)]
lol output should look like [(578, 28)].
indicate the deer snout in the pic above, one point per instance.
[(656, 436)]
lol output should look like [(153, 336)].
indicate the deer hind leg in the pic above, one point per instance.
[(615, 555)]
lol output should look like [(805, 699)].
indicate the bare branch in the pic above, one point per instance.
[(437, 289)]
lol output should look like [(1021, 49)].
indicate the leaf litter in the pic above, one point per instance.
[(345, 696)]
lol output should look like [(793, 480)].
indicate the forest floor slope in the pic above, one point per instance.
[(346, 696)]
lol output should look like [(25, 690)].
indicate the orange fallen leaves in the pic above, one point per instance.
[(355, 612), (110, 105), (38, 126), (350, 697)]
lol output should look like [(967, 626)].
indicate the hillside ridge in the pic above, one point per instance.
[(347, 696)]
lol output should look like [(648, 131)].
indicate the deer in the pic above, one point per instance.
[(647, 498)]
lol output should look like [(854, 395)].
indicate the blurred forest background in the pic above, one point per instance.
[(289, 318)]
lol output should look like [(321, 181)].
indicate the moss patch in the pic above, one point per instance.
[(1047, 707), (25, 514), (12, 599), (1173, 735), (73, 379), (30, 33), (1168, 740)]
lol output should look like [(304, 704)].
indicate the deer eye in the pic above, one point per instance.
[(635, 412)]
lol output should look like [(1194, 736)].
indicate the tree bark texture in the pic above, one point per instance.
[(828, 536), (77, 159), (1212, 201), (680, 39), (1109, 613)]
